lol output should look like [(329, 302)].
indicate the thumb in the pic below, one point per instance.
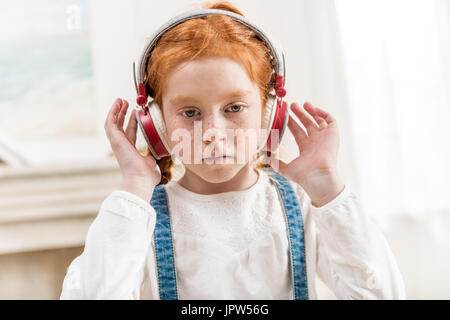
[(151, 162)]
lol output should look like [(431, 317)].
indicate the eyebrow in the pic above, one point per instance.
[(233, 94)]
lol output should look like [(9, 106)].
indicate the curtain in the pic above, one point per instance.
[(396, 57)]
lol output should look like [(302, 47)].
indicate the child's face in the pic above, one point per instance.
[(201, 91)]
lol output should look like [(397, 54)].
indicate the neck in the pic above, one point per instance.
[(243, 180)]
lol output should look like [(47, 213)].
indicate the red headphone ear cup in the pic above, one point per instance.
[(285, 110), (151, 135), (279, 123)]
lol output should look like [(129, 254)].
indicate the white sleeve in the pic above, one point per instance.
[(113, 263), (353, 257)]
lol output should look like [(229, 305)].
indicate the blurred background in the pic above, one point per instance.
[(382, 68)]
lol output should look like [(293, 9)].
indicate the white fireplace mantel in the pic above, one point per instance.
[(48, 207)]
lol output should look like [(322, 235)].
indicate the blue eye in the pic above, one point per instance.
[(190, 112), (234, 109)]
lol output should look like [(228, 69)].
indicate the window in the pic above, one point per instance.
[(397, 62), (47, 108)]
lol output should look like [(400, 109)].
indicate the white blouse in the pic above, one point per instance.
[(233, 245)]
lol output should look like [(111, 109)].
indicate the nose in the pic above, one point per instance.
[(214, 129)]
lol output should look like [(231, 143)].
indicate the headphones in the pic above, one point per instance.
[(149, 115)]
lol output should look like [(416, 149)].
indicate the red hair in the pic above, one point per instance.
[(208, 36)]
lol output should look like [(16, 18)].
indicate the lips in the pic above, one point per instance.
[(220, 155), (217, 158)]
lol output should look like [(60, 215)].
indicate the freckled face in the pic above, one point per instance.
[(216, 96)]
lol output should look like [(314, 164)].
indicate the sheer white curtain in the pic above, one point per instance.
[(396, 56)]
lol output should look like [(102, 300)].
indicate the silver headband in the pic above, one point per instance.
[(278, 56)]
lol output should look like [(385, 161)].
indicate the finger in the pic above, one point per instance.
[(321, 122), (111, 117), (304, 117), (116, 114), (114, 109), (326, 115), (152, 162), (120, 145), (131, 129), (316, 111), (310, 108), (122, 114), (297, 131)]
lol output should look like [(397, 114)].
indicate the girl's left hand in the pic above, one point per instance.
[(315, 168)]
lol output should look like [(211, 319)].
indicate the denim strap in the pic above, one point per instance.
[(164, 246), (296, 235)]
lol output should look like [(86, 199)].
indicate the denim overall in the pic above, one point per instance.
[(164, 246)]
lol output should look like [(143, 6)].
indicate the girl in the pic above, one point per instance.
[(232, 230)]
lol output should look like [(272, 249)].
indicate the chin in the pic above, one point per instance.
[(217, 173)]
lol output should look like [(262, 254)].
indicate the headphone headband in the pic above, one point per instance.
[(277, 61)]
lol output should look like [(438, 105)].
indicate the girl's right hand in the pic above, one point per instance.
[(140, 174)]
